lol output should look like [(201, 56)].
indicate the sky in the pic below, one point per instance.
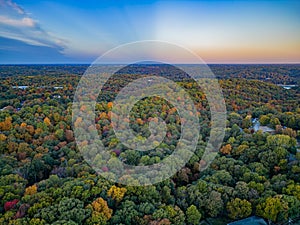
[(218, 31)]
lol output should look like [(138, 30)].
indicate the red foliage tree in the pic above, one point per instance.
[(10, 205)]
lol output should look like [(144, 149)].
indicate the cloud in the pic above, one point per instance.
[(24, 22), (16, 23), (10, 4), (14, 52)]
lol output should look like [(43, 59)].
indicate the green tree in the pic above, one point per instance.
[(59, 134), (280, 140), (193, 215), (264, 120), (214, 204), (241, 189), (68, 209), (238, 208), (174, 214), (127, 214)]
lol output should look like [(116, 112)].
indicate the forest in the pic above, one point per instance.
[(45, 180)]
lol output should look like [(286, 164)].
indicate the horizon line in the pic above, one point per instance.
[(209, 63)]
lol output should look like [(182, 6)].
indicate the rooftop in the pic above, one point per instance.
[(253, 220)]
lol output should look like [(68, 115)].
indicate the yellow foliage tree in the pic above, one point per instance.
[(116, 193), (31, 190), (103, 115), (38, 131), (272, 207), (100, 206), (6, 124), (2, 137), (37, 221), (100, 212)]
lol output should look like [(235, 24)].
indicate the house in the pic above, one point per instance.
[(253, 220), (266, 129)]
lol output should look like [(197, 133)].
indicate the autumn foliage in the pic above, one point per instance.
[(44, 178), (10, 205), (116, 193), (31, 190)]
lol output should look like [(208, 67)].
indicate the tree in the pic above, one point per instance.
[(264, 120), (127, 214), (274, 122), (100, 212), (241, 149), (290, 132), (220, 177), (47, 121), (293, 189), (59, 134), (214, 204), (238, 208), (280, 140), (31, 190), (226, 150), (69, 135), (174, 214), (37, 221), (116, 193), (293, 204), (3, 137), (235, 118), (64, 222), (109, 105), (272, 207), (68, 209), (268, 158), (10, 205), (242, 189), (6, 124), (235, 131), (246, 123), (193, 215)]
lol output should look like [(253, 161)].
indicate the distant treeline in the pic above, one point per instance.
[(273, 73)]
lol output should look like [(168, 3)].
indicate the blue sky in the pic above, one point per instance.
[(68, 31)]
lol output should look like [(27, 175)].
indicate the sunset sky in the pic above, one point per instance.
[(65, 31)]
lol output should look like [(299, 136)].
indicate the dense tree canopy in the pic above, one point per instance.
[(44, 179)]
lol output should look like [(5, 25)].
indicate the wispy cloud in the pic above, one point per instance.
[(17, 24), (24, 22), (12, 5)]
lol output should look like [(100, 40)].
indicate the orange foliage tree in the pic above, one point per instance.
[(226, 150), (47, 121)]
